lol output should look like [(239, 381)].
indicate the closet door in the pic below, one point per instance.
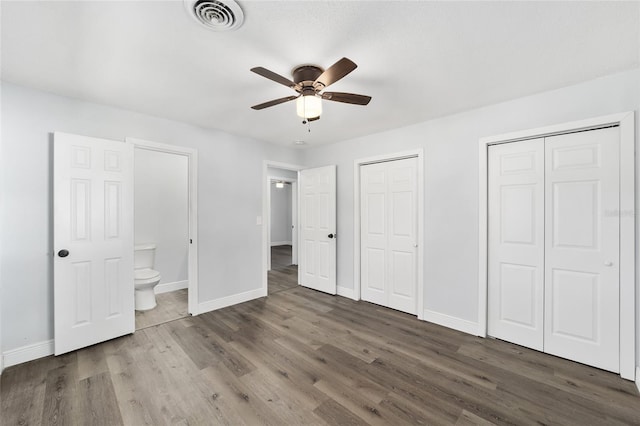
[(582, 247), (389, 234), (373, 233), (516, 242)]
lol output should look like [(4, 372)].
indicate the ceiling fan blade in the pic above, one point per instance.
[(347, 98), (335, 72), (275, 102), (274, 77)]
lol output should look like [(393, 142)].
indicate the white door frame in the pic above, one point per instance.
[(419, 154), (626, 122), (266, 187), (271, 178), (192, 161)]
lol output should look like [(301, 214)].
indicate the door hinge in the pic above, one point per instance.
[(190, 241)]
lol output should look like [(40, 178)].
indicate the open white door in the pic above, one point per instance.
[(93, 241), (317, 262)]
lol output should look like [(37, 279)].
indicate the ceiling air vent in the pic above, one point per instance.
[(216, 15)]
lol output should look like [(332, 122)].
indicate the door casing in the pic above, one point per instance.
[(419, 154), (626, 123)]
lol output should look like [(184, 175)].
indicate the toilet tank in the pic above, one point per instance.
[(144, 256)]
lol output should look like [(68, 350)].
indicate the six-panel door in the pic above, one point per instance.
[(317, 262), (93, 241)]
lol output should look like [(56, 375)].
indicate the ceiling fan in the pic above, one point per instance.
[(309, 81)]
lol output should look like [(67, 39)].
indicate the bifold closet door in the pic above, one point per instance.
[(554, 234), (516, 242), (388, 203), (582, 290)]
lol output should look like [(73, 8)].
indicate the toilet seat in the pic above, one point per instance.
[(145, 276)]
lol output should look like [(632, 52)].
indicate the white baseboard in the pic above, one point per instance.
[(234, 299), (168, 287), (27, 353), (280, 243), (638, 377), (448, 321), (347, 292)]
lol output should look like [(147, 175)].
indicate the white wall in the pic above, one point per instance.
[(280, 214), (282, 173), (451, 180), (161, 210), (230, 242)]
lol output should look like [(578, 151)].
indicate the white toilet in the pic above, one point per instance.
[(145, 278)]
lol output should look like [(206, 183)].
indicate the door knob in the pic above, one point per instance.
[(330, 235), (608, 263), (63, 253)]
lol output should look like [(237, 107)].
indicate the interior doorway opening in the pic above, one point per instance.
[(164, 199), (280, 226)]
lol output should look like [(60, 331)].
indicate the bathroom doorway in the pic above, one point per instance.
[(165, 224)]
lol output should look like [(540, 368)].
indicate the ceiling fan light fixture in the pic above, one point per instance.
[(309, 106), (279, 185)]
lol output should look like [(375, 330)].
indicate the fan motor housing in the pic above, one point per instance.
[(306, 73)]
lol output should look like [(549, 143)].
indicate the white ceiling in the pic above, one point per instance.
[(418, 60)]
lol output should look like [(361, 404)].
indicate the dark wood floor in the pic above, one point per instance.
[(302, 357), (283, 275)]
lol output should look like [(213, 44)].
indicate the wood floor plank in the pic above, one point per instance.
[(289, 372), (194, 395), (333, 370), (153, 386), (357, 403), (470, 419), (333, 413), (97, 402), (60, 404), (138, 405), (229, 388), (285, 401)]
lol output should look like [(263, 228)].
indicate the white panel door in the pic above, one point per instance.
[(373, 233), (93, 241), (582, 247), (317, 261), (516, 242), (389, 234)]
